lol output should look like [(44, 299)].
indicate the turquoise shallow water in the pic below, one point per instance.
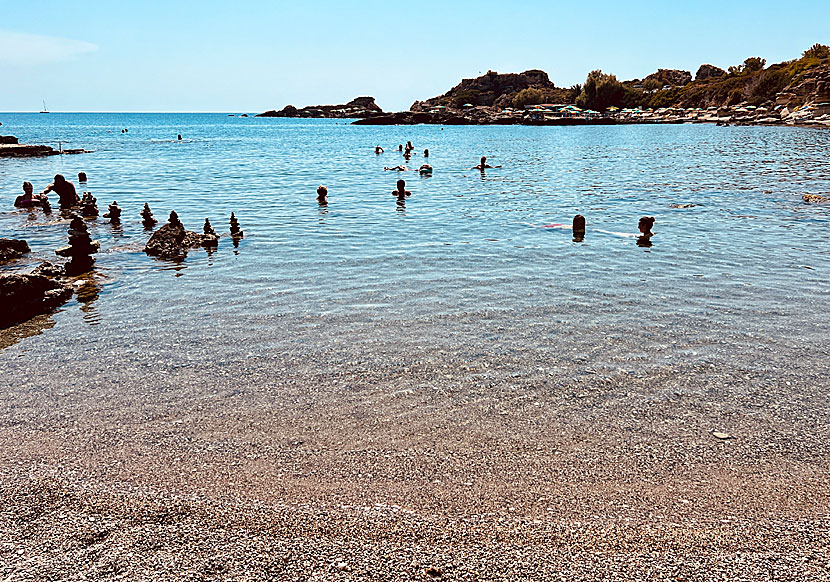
[(464, 262)]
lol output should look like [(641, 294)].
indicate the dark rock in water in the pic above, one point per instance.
[(358, 107), (709, 72), (167, 242), (24, 296), (8, 140), (89, 205), (174, 219), (113, 212), (209, 238), (11, 249), (48, 269), (81, 246), (172, 241), (236, 232), (147, 218)]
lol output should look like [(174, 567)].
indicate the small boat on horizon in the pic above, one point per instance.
[(44, 107)]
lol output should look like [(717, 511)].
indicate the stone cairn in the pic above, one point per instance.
[(147, 218), (89, 205), (81, 246), (210, 238), (236, 232), (113, 213)]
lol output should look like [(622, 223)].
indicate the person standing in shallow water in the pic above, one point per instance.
[(322, 194), (645, 225), (483, 165), (28, 200), (65, 190), (579, 228), (401, 192)]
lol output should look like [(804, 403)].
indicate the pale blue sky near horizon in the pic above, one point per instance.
[(250, 56)]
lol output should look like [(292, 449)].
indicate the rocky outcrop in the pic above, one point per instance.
[(172, 241), (11, 249), (813, 86), (671, 77), (493, 89), (23, 296), (709, 72), (358, 107)]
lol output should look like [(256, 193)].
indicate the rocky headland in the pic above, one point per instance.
[(795, 92), (359, 107)]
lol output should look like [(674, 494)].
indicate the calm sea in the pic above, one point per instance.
[(466, 261)]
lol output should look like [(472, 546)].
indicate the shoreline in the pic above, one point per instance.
[(374, 465)]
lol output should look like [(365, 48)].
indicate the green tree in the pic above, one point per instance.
[(601, 91), (817, 51), (753, 64), (529, 96), (652, 84)]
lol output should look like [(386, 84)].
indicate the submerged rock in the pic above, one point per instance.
[(23, 296), (11, 249)]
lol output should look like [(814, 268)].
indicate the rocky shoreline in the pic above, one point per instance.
[(10, 147)]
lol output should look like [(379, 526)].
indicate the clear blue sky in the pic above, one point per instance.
[(248, 55)]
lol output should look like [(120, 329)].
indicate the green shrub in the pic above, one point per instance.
[(529, 96)]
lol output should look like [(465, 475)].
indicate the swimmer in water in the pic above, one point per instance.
[(180, 137), (30, 200), (322, 194), (425, 170), (398, 169), (400, 147), (82, 177), (378, 150), (401, 192), (579, 228), (645, 225), (483, 165), (426, 153)]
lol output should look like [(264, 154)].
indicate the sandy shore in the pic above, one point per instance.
[(332, 463)]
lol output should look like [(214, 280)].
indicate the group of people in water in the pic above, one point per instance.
[(67, 196)]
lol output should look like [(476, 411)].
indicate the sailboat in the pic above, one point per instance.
[(44, 107)]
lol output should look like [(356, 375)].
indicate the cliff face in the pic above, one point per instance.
[(358, 107), (709, 72), (494, 89)]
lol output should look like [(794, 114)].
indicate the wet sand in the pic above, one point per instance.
[(587, 455)]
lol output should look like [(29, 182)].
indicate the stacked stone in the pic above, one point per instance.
[(90, 205), (81, 246), (236, 232), (147, 218), (209, 238), (113, 213)]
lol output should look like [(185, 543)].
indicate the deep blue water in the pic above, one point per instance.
[(749, 257)]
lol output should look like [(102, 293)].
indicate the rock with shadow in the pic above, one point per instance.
[(23, 296), (11, 249)]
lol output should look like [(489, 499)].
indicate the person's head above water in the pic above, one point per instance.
[(483, 160), (81, 176), (645, 224), (401, 185), (322, 192), (579, 224), (28, 188)]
